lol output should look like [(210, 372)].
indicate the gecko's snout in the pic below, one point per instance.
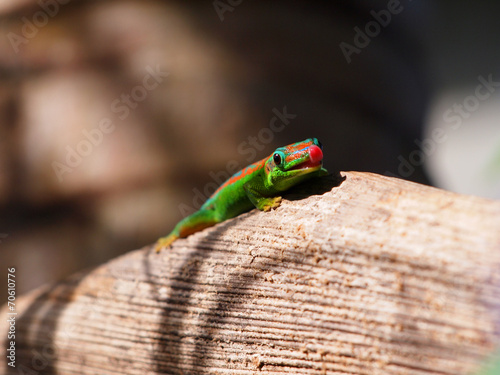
[(315, 154)]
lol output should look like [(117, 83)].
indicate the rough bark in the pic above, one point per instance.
[(370, 275)]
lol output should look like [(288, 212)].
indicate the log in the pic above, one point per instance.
[(362, 275)]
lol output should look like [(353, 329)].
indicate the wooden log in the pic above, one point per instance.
[(369, 275)]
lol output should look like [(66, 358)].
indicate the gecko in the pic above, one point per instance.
[(258, 185)]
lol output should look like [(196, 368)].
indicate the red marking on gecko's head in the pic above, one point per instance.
[(304, 155), (315, 154)]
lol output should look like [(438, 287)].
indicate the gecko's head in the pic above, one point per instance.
[(294, 163)]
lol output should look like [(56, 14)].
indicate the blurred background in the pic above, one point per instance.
[(118, 118)]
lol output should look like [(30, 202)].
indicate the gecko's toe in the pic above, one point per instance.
[(276, 202), (271, 203)]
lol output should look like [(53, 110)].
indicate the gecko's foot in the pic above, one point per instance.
[(271, 203), (165, 242)]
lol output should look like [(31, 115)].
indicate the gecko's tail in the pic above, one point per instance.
[(165, 242), (194, 223)]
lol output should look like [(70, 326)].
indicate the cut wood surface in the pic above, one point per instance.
[(369, 275)]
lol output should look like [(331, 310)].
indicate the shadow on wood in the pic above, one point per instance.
[(372, 275)]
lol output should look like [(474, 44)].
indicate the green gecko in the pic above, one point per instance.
[(257, 185)]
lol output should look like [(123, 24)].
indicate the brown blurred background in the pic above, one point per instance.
[(115, 116)]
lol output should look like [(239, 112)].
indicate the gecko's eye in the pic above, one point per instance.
[(277, 158)]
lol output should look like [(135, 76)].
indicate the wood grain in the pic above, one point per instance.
[(370, 275)]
